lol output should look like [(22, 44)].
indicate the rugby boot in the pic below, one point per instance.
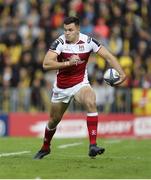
[(42, 153), (95, 150)]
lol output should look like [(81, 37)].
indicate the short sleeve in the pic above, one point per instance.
[(56, 46), (95, 45)]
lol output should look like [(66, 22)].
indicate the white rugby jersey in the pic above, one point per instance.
[(75, 74)]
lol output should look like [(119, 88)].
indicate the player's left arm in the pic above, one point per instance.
[(113, 62)]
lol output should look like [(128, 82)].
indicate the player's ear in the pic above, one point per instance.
[(78, 28)]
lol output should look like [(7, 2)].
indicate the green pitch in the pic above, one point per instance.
[(122, 159)]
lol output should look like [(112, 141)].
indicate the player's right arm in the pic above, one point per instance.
[(50, 60)]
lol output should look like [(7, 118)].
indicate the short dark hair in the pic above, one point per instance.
[(72, 19)]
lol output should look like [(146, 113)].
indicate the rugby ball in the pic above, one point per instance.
[(111, 76)]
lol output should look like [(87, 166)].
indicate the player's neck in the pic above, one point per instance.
[(75, 40)]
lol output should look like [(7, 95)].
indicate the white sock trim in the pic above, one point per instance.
[(92, 114), (49, 128)]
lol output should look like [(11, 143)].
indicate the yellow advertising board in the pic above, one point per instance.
[(141, 101)]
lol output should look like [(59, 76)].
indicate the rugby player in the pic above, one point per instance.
[(69, 55)]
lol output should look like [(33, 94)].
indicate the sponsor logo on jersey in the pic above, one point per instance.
[(81, 47), (67, 48)]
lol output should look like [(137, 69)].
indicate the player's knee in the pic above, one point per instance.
[(90, 105)]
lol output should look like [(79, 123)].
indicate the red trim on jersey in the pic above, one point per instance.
[(80, 42), (72, 75)]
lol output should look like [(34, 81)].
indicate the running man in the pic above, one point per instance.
[(69, 55)]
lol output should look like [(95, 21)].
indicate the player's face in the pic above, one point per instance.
[(71, 32)]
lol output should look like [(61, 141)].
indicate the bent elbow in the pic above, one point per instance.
[(47, 66), (44, 66)]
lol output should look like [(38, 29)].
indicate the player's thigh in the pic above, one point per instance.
[(57, 110), (86, 96)]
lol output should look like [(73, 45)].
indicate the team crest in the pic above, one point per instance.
[(81, 47)]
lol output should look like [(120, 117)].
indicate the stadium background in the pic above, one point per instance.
[(28, 27)]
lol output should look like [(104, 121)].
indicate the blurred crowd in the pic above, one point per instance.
[(28, 27)]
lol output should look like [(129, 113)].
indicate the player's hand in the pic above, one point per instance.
[(74, 59), (122, 79)]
